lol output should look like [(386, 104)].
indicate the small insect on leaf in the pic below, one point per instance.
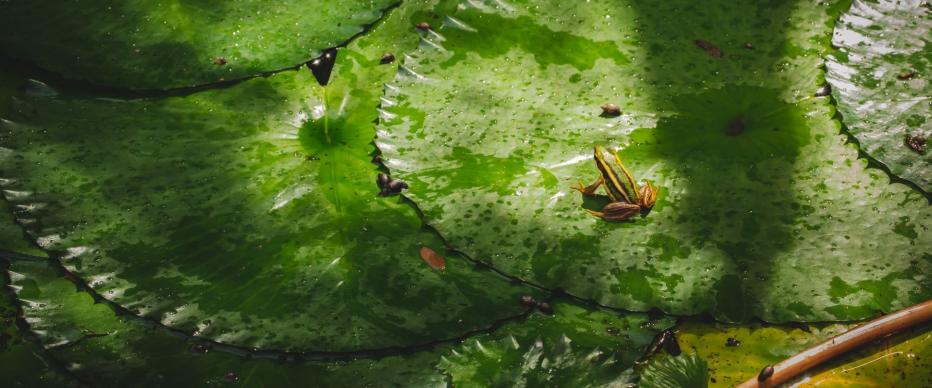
[(433, 259), (709, 48), (749, 46), (423, 26), (220, 61)]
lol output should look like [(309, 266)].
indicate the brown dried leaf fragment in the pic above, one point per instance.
[(433, 259)]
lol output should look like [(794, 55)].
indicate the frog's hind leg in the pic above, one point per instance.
[(589, 190)]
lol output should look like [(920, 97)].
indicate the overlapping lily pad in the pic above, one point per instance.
[(764, 210), (99, 348), (577, 344), (880, 75), (737, 353), (247, 215), (577, 347), (158, 45)]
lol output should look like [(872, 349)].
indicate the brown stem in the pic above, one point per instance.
[(866, 333)]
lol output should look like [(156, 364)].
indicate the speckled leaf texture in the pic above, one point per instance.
[(737, 353), (142, 44), (495, 117), (243, 215), (578, 344), (880, 76)]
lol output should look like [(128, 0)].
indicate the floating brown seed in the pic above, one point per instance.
[(611, 110), (824, 90), (387, 58), (749, 46), (545, 308), (765, 373), (907, 75), (433, 259), (709, 48), (917, 143), (220, 61), (423, 26)]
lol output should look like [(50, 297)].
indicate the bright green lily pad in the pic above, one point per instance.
[(577, 344), (143, 44), (880, 77), (753, 347), (902, 360), (243, 214), (494, 119)]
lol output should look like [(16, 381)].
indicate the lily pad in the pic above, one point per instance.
[(737, 353), (900, 361), (156, 45), (494, 119), (576, 344), (21, 362), (247, 215), (577, 347), (99, 348), (880, 76), (687, 370)]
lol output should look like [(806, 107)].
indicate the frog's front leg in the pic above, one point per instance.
[(589, 190), (617, 211)]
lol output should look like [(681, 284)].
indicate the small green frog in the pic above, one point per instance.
[(628, 199)]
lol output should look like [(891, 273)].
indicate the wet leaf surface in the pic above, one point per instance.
[(494, 118), (247, 215), (577, 344), (157, 45), (250, 215), (881, 72), (901, 360), (576, 347)]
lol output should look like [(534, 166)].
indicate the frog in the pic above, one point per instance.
[(628, 199)]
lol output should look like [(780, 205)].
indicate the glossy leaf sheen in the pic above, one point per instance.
[(577, 345), (878, 43), (103, 349), (141, 44), (243, 214), (494, 118), (686, 370)]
